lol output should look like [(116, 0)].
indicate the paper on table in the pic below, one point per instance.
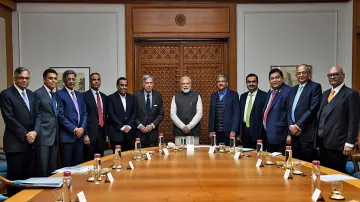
[(335, 177), (43, 180), (247, 149), (276, 154), (74, 169)]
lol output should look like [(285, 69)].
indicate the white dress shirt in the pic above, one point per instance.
[(123, 100), (247, 103), (196, 119)]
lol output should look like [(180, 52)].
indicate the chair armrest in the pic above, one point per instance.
[(356, 159)]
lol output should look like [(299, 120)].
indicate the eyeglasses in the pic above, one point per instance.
[(302, 73), (70, 79), (335, 75), (23, 78)]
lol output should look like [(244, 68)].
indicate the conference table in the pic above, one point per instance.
[(195, 176)]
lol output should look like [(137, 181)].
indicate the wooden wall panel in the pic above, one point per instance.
[(200, 20), (9, 4), (5, 13), (183, 1), (132, 36), (356, 46)]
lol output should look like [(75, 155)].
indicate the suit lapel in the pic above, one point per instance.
[(256, 102), (17, 94), (93, 102), (227, 98), (47, 97), (69, 97), (143, 101), (303, 93), (153, 100), (335, 101), (103, 101), (277, 95)]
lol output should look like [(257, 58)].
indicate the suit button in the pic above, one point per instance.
[(125, 117)]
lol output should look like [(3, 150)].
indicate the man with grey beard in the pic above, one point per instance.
[(186, 112)]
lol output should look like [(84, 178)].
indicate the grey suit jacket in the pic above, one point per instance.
[(143, 116), (48, 118)]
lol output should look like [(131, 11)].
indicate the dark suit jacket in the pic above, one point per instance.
[(256, 116), (48, 118), (306, 109), (118, 117), (277, 126), (19, 121), (68, 116), (342, 118), (93, 116), (155, 116), (231, 112)]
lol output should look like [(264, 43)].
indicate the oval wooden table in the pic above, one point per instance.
[(198, 176)]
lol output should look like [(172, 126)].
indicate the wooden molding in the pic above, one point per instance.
[(131, 36), (181, 1), (5, 13), (9, 4)]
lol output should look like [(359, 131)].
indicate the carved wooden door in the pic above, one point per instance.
[(168, 62)]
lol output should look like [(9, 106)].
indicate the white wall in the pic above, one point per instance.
[(267, 34), (3, 78), (70, 35), (290, 34)]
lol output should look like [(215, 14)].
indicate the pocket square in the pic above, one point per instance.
[(155, 105)]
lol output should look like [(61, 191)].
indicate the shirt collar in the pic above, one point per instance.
[(68, 90), (337, 89), (47, 89), (94, 91), (121, 95), (254, 93), (145, 93), (303, 85), (223, 93), (20, 91)]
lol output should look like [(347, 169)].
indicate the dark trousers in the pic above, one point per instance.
[(71, 153), (129, 141), (275, 147), (46, 160), (334, 159), (221, 137), (248, 142), (148, 139), (95, 147), (18, 168), (302, 150)]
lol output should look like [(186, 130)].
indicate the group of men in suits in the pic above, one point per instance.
[(78, 124), (317, 125), (74, 123)]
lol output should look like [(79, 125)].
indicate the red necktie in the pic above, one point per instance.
[(101, 120), (268, 107)]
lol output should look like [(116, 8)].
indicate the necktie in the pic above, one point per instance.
[(98, 103), (26, 100), (248, 110), (331, 96), (296, 99), (53, 100), (269, 105), (76, 105), (148, 102)]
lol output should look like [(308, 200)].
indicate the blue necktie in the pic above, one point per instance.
[(76, 105), (53, 101), (148, 102), (297, 96), (26, 100)]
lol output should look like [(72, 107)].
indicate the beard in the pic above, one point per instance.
[(186, 90)]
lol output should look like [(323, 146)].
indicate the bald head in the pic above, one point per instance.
[(336, 76)]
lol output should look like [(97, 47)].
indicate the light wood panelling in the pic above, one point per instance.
[(198, 20)]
